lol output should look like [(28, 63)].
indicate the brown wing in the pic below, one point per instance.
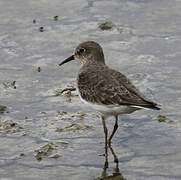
[(105, 86)]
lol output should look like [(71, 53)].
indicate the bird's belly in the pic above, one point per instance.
[(110, 109)]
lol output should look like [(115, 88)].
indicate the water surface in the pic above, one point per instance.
[(144, 44)]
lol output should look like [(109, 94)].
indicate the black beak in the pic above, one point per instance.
[(67, 60)]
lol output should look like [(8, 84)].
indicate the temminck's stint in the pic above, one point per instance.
[(105, 90)]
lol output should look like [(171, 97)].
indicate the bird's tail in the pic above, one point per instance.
[(151, 105)]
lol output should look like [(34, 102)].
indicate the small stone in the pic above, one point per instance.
[(108, 25), (41, 29), (171, 121), (162, 118), (13, 124), (34, 21), (55, 18), (2, 109), (38, 157), (13, 84), (42, 112)]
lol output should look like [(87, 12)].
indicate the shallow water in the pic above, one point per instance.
[(144, 44)]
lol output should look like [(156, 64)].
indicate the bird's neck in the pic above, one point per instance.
[(93, 63)]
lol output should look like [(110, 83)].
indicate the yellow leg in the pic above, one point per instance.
[(114, 130), (105, 131)]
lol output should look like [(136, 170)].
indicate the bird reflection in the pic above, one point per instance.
[(116, 175)]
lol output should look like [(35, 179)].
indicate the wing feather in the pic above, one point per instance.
[(101, 85)]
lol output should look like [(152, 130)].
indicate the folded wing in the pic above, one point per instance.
[(109, 87)]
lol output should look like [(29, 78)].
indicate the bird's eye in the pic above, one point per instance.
[(80, 51)]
